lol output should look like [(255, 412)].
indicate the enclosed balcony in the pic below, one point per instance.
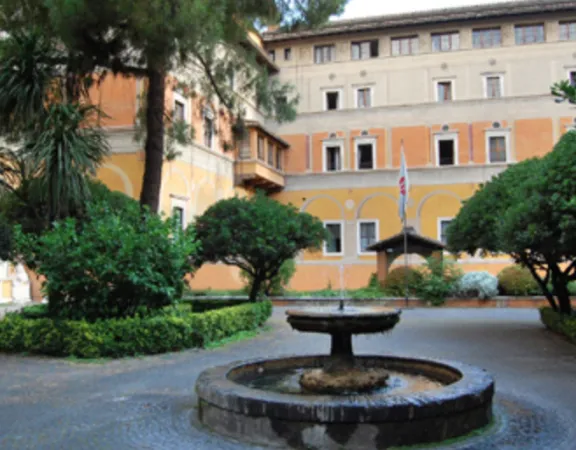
[(261, 159)]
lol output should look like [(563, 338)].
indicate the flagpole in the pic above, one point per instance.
[(405, 262), (403, 184)]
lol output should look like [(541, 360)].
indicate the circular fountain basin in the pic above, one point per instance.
[(426, 401)]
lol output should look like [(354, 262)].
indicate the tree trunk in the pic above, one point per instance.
[(255, 288), (549, 296), (154, 148), (560, 283)]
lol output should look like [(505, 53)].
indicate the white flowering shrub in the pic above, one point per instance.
[(477, 285)]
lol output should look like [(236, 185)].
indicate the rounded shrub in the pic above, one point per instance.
[(175, 329), (396, 281), (517, 280), (482, 285)]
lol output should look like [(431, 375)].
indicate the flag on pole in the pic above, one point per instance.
[(403, 183)]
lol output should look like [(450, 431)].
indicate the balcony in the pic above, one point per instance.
[(260, 159)]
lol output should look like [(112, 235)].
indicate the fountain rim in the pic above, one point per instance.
[(361, 312), (473, 390)]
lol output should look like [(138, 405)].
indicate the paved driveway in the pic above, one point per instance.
[(149, 403)]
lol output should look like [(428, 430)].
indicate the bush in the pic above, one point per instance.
[(395, 281), (199, 306), (517, 280), (171, 331), (112, 264), (438, 279), (373, 282), (482, 285), (560, 323)]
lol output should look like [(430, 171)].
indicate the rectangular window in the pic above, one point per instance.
[(272, 55), (572, 77), (324, 54), (261, 148), (364, 98), (443, 230), (493, 86), (444, 91), (487, 38), (368, 234), (365, 155), (331, 100), (568, 31), (497, 149), (445, 42), (208, 132), (529, 34), (279, 159), (446, 152), (270, 153), (179, 111), (405, 46), (287, 54), (333, 245), (365, 49), (333, 158), (178, 215)]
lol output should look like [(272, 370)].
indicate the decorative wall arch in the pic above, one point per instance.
[(370, 197), (128, 188), (433, 194), (309, 201)]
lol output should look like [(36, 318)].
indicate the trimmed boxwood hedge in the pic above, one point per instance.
[(114, 338), (560, 323)]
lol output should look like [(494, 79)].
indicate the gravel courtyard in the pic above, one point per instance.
[(149, 403)]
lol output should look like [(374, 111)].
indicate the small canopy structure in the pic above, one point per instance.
[(391, 248)]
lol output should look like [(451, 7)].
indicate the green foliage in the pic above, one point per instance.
[(277, 285), (35, 311), (112, 264), (564, 91), (115, 338), (395, 283), (256, 234), (517, 280), (438, 280), (373, 282), (560, 323), (303, 14), (528, 212)]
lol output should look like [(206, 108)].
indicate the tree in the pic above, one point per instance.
[(528, 212), (257, 235), (55, 142), (205, 41)]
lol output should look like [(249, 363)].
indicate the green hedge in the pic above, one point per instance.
[(559, 323), (175, 330), (203, 305)]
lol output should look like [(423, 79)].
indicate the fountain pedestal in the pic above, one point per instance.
[(341, 373)]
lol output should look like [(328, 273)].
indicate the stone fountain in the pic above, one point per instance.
[(342, 400)]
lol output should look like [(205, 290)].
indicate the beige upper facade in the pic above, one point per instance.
[(444, 51)]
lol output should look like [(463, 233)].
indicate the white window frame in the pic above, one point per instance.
[(371, 93), (179, 202), (439, 226), (332, 143), (359, 235), (327, 91), (498, 133), (444, 80), (324, 246), (493, 75), (361, 141), (445, 136), (181, 99)]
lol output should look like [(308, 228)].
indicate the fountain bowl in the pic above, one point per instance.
[(231, 406)]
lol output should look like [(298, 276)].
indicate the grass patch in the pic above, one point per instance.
[(238, 337)]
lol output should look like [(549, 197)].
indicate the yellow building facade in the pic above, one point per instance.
[(465, 93)]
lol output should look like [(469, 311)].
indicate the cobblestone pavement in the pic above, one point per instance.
[(149, 403)]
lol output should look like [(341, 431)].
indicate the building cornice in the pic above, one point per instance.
[(419, 176), (436, 16)]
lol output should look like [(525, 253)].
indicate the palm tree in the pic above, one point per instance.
[(46, 116)]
